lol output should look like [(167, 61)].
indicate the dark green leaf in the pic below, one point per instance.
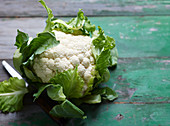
[(55, 92), (104, 56), (21, 39), (106, 93), (79, 25), (50, 17), (17, 61), (39, 44), (30, 75), (114, 57), (40, 90), (110, 94), (67, 109), (96, 95), (92, 99)]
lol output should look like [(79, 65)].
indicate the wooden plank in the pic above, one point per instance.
[(138, 36), (8, 32), (31, 114), (141, 77), (27, 8), (124, 114), (141, 80), (142, 99), (135, 36), (3, 73), (133, 80)]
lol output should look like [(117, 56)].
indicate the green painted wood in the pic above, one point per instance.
[(142, 80), (135, 36), (135, 79), (138, 36), (27, 8), (124, 115), (144, 98)]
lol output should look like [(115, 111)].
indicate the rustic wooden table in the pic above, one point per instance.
[(142, 78)]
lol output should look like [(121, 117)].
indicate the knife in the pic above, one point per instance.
[(42, 102), (12, 72)]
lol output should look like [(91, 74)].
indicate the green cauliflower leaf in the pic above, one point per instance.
[(11, 94)]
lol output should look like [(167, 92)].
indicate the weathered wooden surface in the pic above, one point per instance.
[(143, 87), (110, 114), (31, 115), (27, 8), (133, 80), (142, 77), (8, 32), (135, 36), (142, 80)]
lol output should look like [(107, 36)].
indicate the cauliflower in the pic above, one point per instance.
[(73, 51), (69, 59)]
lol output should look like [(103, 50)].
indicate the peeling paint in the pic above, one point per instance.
[(158, 23), (120, 78), (159, 98), (131, 91), (121, 35), (165, 80), (153, 29), (167, 6), (120, 92), (119, 117), (163, 61), (144, 118), (111, 24), (152, 116), (114, 86)]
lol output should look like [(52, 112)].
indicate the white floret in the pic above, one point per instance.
[(87, 75), (88, 54), (51, 64), (81, 70), (71, 52), (74, 60), (80, 56), (86, 62), (91, 60)]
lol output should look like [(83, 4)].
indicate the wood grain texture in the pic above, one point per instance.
[(30, 115), (8, 32), (27, 8), (133, 80), (142, 80), (135, 36), (144, 100), (124, 115), (143, 87)]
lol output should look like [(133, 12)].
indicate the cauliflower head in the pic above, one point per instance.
[(73, 51), (69, 59)]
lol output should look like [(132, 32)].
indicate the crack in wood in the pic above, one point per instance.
[(140, 103)]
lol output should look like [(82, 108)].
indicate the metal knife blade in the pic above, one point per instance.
[(12, 72)]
